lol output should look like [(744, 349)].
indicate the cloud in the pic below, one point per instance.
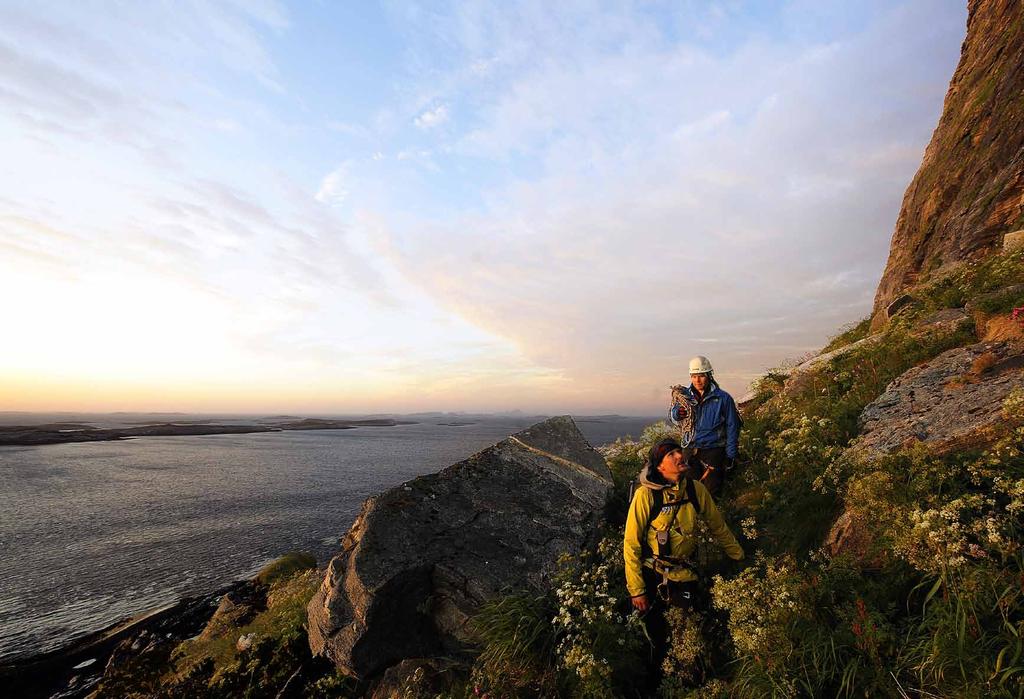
[(98, 76), (676, 193), (626, 185), (432, 117), (334, 186), (703, 125)]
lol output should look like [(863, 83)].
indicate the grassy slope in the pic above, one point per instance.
[(211, 666), (935, 604)]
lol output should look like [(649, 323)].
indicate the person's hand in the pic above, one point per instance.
[(641, 603)]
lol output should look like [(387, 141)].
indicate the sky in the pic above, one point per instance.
[(251, 205)]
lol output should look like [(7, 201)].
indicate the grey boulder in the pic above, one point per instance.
[(951, 402), (421, 558)]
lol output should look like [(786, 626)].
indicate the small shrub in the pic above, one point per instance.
[(624, 462), (762, 602), (849, 334), (601, 649), (982, 363), (1013, 406), (518, 646), (576, 641), (974, 280), (1004, 301), (285, 567), (280, 642)]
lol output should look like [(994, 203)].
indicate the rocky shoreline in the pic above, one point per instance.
[(73, 670)]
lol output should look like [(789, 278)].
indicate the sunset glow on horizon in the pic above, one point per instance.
[(345, 207)]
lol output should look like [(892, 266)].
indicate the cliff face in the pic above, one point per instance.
[(969, 191)]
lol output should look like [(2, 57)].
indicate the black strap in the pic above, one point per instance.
[(691, 494), (657, 504)]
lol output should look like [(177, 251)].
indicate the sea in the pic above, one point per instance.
[(94, 532)]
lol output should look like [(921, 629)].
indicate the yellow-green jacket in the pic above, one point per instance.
[(682, 531)]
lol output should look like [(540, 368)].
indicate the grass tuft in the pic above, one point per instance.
[(285, 567)]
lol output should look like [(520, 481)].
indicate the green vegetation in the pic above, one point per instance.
[(973, 281), (216, 665), (1002, 301), (848, 335), (281, 622), (285, 567), (579, 640), (518, 645), (925, 598)]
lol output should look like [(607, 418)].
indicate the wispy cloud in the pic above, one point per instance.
[(680, 191), (546, 205), (432, 117), (334, 186)]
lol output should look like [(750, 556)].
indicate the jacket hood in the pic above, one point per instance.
[(654, 481)]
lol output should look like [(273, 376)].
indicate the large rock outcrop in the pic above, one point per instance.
[(951, 402), (422, 557), (969, 191)]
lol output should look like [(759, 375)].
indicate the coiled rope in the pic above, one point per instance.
[(686, 422)]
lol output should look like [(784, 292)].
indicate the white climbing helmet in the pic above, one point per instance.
[(700, 365)]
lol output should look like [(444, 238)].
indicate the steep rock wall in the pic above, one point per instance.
[(969, 191)]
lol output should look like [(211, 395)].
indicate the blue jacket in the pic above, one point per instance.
[(717, 421)]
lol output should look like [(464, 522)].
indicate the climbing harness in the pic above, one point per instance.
[(660, 559)]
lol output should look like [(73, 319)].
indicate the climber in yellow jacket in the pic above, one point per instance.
[(658, 544)]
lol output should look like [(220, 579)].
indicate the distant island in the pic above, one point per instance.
[(62, 432)]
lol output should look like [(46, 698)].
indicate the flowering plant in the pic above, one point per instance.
[(601, 647)]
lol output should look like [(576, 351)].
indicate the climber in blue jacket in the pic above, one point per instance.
[(716, 424)]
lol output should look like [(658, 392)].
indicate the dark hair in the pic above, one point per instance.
[(658, 452)]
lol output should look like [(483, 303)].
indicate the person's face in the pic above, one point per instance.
[(672, 465), (699, 381)]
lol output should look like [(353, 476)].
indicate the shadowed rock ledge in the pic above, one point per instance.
[(422, 557)]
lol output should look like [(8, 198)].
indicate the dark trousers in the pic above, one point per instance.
[(682, 595), (708, 467)]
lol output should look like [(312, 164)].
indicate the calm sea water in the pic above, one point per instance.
[(93, 532)]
